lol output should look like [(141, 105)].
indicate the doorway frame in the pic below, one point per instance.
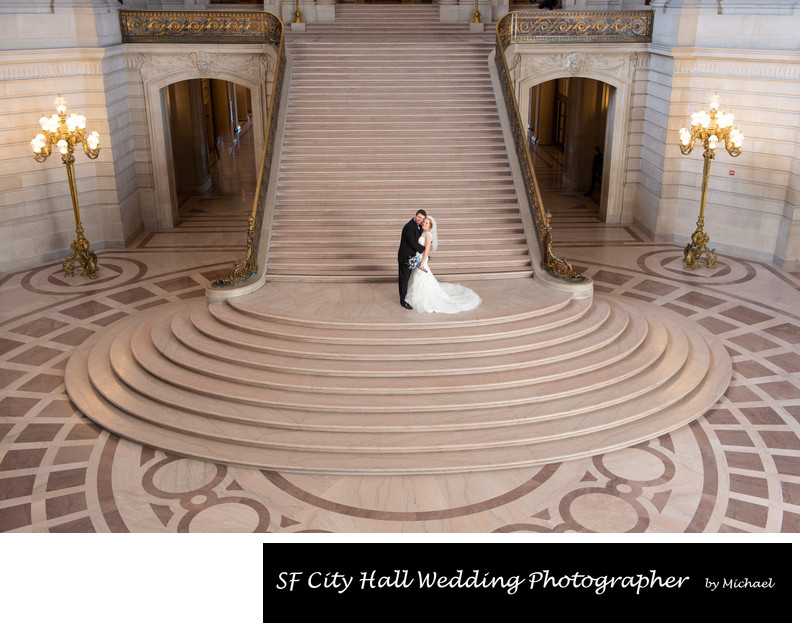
[(252, 67), (617, 69)]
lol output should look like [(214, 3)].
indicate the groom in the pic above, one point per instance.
[(409, 246)]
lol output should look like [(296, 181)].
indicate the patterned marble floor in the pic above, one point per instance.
[(734, 470)]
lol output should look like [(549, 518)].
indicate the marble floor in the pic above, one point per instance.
[(734, 470)]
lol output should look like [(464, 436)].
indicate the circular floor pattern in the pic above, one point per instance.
[(652, 487), (113, 271)]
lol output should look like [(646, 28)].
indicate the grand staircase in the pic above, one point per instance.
[(391, 111), (327, 373)]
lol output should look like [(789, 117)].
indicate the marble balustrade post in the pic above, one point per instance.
[(313, 10), (460, 11)]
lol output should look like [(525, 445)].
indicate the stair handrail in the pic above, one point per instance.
[(246, 267), (552, 26)]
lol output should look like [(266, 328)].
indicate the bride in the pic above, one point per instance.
[(425, 293)]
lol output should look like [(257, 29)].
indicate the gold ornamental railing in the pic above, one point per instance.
[(557, 26), (201, 27), (599, 27), (224, 27), (247, 266)]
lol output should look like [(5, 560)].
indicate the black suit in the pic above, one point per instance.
[(409, 246)]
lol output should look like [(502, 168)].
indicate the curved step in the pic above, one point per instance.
[(410, 440), (196, 330), (342, 393), (155, 344), (279, 415)]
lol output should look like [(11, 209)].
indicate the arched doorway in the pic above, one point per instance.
[(613, 72), (252, 70)]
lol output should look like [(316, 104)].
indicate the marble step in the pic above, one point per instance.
[(387, 381), (455, 178), (477, 242), (434, 121), (387, 272), (334, 140), (388, 254), (381, 59), (390, 45), (143, 369), (334, 245), (350, 192), (392, 36), (454, 229), (452, 194), (397, 203), (321, 413), (397, 145), (420, 131), (326, 249), (311, 306), (413, 80), (394, 96), (405, 432), (420, 28), (503, 213), (300, 221), (544, 333), (309, 155), (459, 276), (349, 210), (355, 459), (400, 205), (330, 173), (386, 264), (411, 107), (380, 360)]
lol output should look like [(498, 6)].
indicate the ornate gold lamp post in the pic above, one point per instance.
[(65, 132), (710, 128), (298, 14)]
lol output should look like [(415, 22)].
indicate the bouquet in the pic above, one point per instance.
[(414, 261)]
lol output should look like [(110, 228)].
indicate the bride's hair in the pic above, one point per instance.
[(434, 233)]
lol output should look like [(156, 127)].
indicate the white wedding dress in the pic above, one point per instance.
[(427, 295)]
